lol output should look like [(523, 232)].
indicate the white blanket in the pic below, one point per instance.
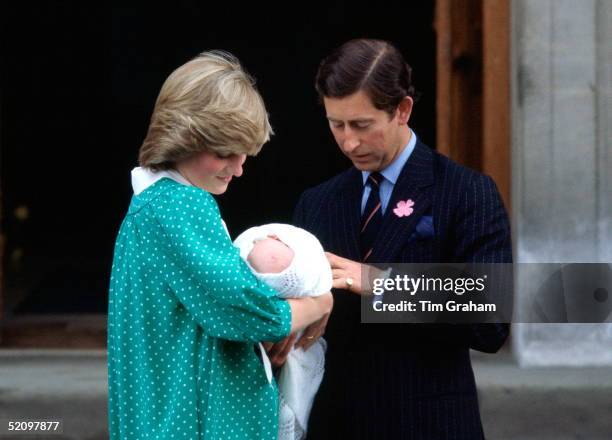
[(309, 274)]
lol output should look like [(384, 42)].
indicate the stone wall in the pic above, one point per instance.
[(562, 158)]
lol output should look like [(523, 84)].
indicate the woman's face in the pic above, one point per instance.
[(211, 172)]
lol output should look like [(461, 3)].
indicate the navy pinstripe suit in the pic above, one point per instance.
[(410, 381)]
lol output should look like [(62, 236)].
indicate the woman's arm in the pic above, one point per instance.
[(305, 311), (207, 275)]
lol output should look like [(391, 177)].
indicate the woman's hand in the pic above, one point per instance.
[(312, 333), (278, 352), (309, 312)]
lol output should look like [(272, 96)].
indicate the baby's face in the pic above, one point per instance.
[(270, 255)]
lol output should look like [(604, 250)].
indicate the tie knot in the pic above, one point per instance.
[(374, 179)]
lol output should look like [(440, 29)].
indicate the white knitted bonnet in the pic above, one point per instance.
[(309, 274)]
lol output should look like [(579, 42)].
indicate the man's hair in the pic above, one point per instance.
[(208, 104), (374, 66)]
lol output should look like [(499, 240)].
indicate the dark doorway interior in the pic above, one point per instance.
[(78, 85)]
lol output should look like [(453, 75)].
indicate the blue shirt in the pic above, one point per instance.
[(390, 174)]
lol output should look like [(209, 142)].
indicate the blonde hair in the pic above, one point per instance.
[(208, 104)]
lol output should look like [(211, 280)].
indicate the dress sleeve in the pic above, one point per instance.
[(208, 276)]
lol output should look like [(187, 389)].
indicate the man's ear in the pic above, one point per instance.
[(404, 110)]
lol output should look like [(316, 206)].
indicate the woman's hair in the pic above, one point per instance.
[(374, 66), (208, 104)]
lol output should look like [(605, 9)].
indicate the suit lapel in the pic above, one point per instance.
[(411, 184), (346, 216)]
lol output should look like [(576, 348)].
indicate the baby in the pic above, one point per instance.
[(292, 261), (270, 255)]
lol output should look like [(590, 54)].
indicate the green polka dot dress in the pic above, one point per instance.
[(185, 313)]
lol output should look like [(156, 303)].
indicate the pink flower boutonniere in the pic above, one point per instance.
[(404, 208)]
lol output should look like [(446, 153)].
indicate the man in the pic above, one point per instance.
[(401, 202)]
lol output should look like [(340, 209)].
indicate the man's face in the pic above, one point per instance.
[(369, 137)]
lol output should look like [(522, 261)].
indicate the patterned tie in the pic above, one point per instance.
[(372, 216)]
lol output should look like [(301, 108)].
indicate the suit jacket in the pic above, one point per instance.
[(406, 381)]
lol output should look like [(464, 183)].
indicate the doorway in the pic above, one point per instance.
[(77, 89)]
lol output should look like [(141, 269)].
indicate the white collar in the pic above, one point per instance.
[(142, 178)]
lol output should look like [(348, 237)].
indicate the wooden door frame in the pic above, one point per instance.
[(473, 86)]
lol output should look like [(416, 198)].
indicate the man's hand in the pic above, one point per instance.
[(346, 273), (278, 352)]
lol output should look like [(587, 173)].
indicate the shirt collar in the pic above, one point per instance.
[(393, 170), (142, 178)]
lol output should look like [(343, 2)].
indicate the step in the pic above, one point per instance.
[(516, 403)]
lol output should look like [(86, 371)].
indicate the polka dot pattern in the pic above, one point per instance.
[(184, 314)]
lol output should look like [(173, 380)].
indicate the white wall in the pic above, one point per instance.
[(562, 160)]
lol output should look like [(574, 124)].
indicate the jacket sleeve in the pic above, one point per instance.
[(483, 236), (299, 214), (208, 276)]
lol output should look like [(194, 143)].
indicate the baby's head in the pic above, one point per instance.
[(270, 255), (288, 259)]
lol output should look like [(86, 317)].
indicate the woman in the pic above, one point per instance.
[(185, 312)]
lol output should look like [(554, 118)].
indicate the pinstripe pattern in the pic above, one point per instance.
[(406, 381)]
